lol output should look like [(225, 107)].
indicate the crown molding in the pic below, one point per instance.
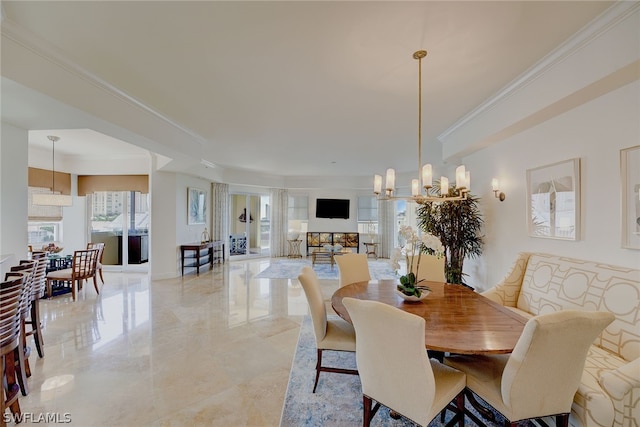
[(47, 51), (607, 20)]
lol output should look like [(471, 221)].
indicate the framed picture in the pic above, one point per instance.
[(553, 200), (630, 177), (196, 206)]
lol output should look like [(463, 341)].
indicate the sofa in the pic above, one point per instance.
[(538, 283)]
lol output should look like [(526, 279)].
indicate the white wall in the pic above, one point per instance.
[(582, 101), (164, 254), (595, 133), (74, 222), (186, 233), (169, 228), (13, 187)]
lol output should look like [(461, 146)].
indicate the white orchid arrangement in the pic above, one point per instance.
[(415, 245)]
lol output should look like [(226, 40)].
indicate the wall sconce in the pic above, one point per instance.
[(495, 186)]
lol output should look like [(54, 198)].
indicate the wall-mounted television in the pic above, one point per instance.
[(332, 208)]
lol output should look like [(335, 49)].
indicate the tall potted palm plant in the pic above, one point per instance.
[(458, 225)]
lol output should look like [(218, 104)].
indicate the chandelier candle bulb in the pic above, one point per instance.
[(444, 185), (460, 176), (377, 184), (391, 180), (415, 187), (427, 176)]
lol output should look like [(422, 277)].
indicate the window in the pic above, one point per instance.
[(42, 233), (368, 217), (298, 213)]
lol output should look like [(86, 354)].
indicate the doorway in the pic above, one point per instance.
[(249, 225)]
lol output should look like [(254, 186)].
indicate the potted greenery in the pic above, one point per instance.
[(457, 224), (412, 251)]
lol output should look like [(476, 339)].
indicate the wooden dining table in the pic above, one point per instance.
[(458, 320)]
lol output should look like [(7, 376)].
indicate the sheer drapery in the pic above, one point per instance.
[(386, 223), (279, 222), (220, 214)]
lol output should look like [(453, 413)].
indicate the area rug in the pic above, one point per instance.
[(290, 269), (338, 398)]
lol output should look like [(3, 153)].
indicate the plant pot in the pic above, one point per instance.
[(413, 298)]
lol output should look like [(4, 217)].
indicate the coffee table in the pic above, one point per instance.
[(324, 255)]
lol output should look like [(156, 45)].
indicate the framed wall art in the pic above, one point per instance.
[(196, 206), (553, 200), (630, 178)]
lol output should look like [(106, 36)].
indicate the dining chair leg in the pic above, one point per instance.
[(101, 278), (460, 408), (562, 420), (366, 411), (318, 365), (95, 284)]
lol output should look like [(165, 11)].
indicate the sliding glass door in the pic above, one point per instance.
[(249, 225), (120, 220)]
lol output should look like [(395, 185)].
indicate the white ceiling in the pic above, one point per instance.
[(299, 88)]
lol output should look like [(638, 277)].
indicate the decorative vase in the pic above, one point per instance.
[(413, 298)]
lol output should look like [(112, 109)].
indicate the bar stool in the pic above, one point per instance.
[(10, 292), (26, 270), (37, 292)]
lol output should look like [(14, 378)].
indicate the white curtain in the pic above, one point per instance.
[(386, 225), (220, 215), (279, 222)]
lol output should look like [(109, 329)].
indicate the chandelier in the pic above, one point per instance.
[(52, 199), (425, 174)]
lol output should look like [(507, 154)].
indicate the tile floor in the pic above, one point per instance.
[(212, 350)]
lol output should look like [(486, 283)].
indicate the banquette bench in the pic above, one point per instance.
[(609, 393)]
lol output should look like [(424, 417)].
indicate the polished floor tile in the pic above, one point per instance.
[(214, 350)]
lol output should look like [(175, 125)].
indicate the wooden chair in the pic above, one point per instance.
[(39, 281), (26, 270), (353, 268), (10, 293), (395, 370), (100, 247), (336, 335), (82, 268), (542, 374)]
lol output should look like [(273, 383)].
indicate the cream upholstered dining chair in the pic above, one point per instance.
[(395, 370), (353, 268), (430, 267), (336, 335), (541, 376)]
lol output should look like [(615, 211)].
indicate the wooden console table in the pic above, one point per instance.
[(201, 253), (317, 240)]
